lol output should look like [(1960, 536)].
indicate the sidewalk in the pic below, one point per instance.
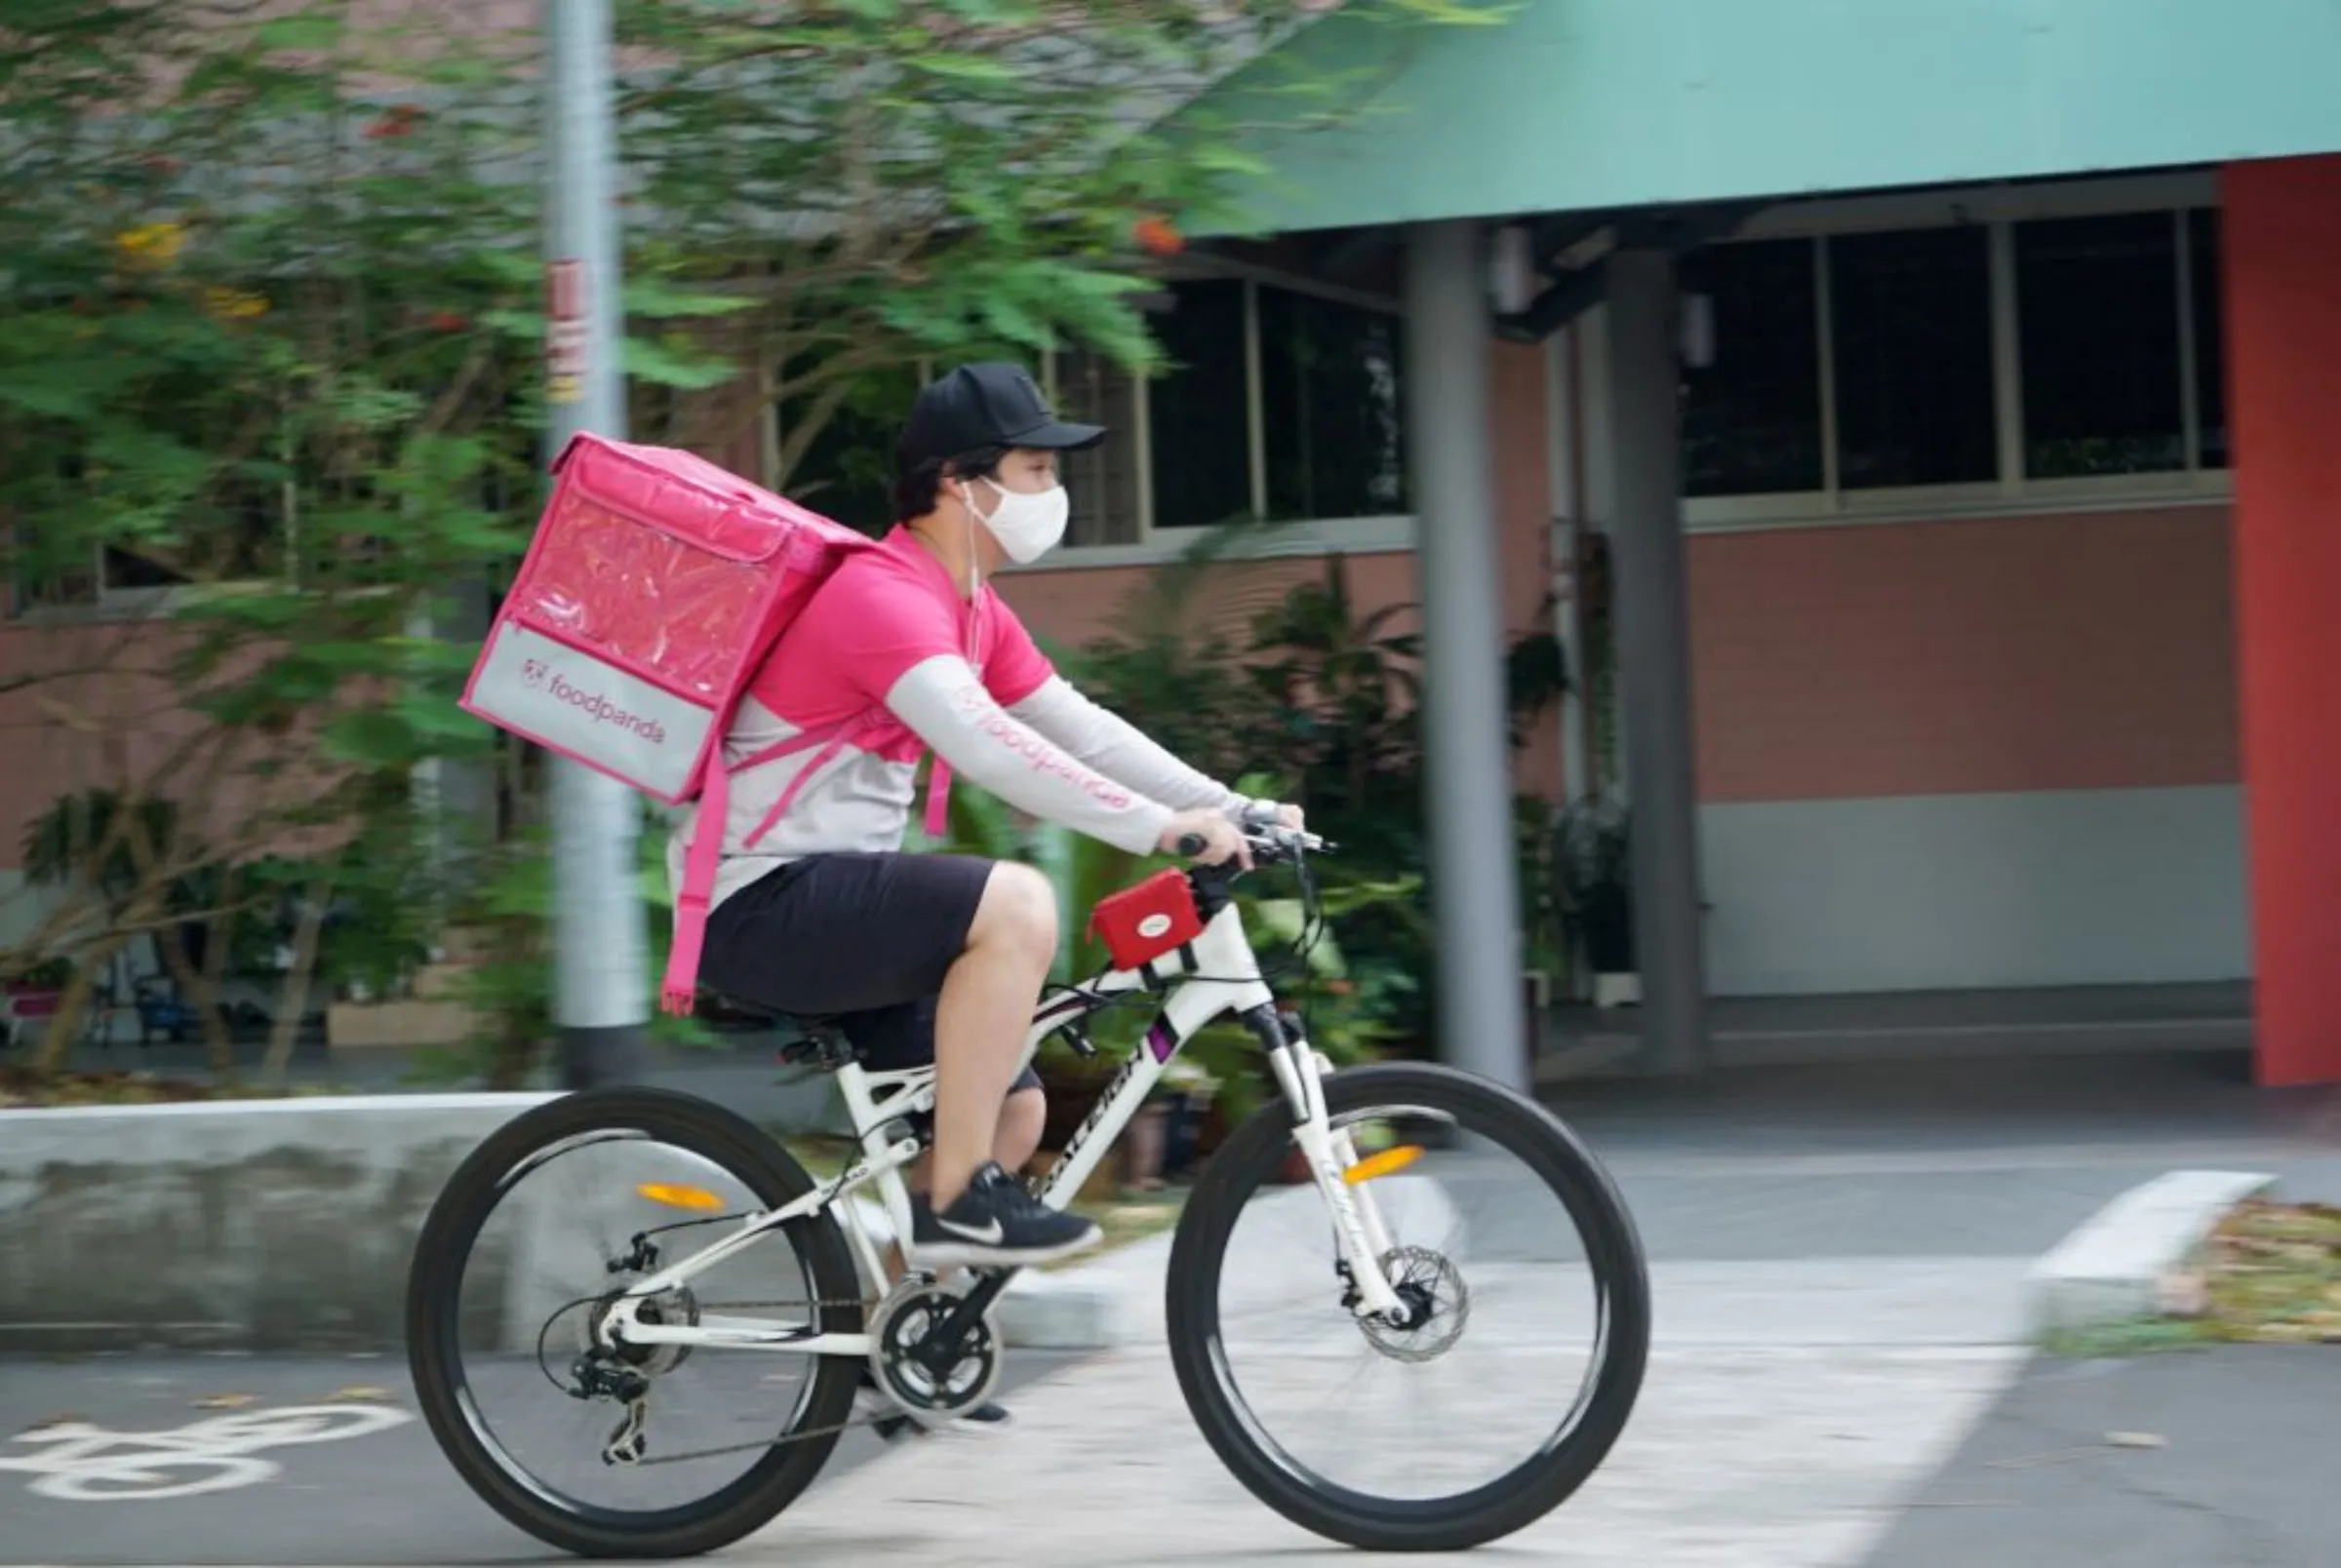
[(1790, 1403), (1837, 1266)]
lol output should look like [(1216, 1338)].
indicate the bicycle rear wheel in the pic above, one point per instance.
[(1257, 1318), (534, 1232)]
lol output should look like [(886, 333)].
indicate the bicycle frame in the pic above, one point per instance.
[(1215, 975)]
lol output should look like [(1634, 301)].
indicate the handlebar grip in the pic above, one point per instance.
[(1191, 844)]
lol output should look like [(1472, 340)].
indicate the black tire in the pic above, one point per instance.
[(434, 1288), (1531, 1489)]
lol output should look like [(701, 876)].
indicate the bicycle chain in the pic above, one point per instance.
[(785, 1437)]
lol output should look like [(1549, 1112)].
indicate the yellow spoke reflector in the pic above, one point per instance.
[(682, 1198), (1387, 1163)]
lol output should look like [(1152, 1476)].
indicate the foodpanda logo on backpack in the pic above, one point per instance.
[(595, 711), (597, 706)]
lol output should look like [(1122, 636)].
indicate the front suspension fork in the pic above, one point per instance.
[(1360, 1234)]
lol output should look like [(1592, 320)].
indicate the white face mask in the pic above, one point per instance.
[(1027, 526)]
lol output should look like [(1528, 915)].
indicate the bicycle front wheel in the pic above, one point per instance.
[(1530, 1315)]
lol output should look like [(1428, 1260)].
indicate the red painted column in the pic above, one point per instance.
[(2282, 261)]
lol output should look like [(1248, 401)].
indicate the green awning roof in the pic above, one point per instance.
[(1576, 104)]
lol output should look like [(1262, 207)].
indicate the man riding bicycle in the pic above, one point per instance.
[(929, 957)]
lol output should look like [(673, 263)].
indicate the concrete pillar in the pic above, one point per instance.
[(1654, 660), (2281, 231), (1475, 893)]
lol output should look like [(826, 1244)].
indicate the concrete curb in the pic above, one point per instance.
[(263, 1225), (2108, 1269)]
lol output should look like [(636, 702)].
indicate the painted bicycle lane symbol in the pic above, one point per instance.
[(85, 1464)]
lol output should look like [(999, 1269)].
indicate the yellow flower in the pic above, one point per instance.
[(154, 244), (235, 304)]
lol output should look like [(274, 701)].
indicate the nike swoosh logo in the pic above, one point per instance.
[(991, 1235)]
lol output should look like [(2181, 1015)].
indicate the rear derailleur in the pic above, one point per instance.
[(600, 1375), (624, 1372)]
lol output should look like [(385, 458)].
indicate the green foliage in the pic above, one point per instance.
[(506, 921), (82, 835), (892, 183), (1084, 871), (270, 401), (1332, 698)]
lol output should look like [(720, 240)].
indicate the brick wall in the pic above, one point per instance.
[(2087, 651)]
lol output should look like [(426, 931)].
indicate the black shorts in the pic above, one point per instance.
[(865, 939)]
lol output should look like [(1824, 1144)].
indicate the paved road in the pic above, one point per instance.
[(1758, 1195), (384, 1497), (2246, 1475)]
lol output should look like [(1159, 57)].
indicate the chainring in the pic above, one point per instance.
[(911, 1311)]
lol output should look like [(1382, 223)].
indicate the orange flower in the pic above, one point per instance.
[(1159, 235), (449, 320), (235, 304), (152, 244), (398, 120)]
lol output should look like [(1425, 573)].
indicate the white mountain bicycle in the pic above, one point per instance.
[(1389, 1150)]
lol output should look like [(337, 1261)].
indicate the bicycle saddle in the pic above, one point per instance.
[(814, 1041)]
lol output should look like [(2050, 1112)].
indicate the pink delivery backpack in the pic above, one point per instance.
[(654, 589)]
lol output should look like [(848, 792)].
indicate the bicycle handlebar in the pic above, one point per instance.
[(1270, 843)]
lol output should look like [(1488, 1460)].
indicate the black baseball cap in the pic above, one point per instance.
[(993, 404)]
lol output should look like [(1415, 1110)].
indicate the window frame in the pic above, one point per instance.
[(1295, 536), (1997, 210)]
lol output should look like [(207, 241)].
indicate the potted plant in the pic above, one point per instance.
[(1593, 892)]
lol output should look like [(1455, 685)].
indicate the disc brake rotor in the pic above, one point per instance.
[(1438, 1306)]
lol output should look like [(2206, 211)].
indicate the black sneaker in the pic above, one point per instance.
[(996, 1224)]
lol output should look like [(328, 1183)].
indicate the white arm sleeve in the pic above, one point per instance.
[(1118, 748), (945, 704)]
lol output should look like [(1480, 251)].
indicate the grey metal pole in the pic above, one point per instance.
[(1654, 660), (1475, 893), (602, 996)]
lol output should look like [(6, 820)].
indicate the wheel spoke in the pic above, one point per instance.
[(1516, 1262), (522, 1260)]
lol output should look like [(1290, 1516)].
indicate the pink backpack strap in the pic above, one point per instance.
[(680, 994), (830, 741), (938, 799)]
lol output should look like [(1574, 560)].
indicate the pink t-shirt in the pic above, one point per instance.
[(891, 659), (882, 614)]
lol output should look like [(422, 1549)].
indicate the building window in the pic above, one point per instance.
[(1910, 321), (2210, 342), (1198, 422), (2051, 350), (1103, 481), (2100, 345), (1331, 428), (1275, 403), (847, 469), (1752, 414)]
